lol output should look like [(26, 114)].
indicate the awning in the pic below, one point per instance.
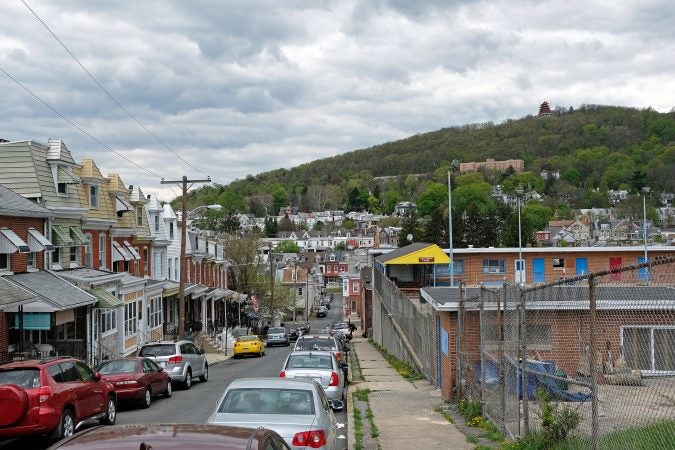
[(122, 205), (216, 293), (60, 238), (63, 176), (105, 299), (132, 250), (199, 290), (34, 321), (121, 253), (78, 237), (37, 242), (11, 243)]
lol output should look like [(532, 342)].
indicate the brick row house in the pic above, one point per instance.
[(106, 279)]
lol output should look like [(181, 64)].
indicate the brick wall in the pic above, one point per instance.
[(20, 226)]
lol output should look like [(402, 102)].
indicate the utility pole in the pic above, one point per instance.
[(307, 296), (183, 237), (271, 285)]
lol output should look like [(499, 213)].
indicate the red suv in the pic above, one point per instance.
[(52, 396)]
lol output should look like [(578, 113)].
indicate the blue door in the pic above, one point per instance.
[(582, 266), (643, 272), (538, 269)]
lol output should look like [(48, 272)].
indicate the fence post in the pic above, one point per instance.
[(458, 343), (523, 361), (501, 308), (594, 384), (481, 300)]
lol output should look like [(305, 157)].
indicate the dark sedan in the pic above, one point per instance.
[(136, 379)]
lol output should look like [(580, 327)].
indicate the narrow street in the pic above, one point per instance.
[(195, 405)]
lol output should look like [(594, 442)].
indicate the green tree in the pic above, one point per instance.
[(476, 194), (409, 226), (433, 196), (287, 246), (436, 228), (231, 201), (285, 224)]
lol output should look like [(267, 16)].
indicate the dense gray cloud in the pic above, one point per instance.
[(242, 87)]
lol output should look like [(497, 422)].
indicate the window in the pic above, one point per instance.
[(139, 215), (649, 347), (157, 222), (300, 291), (155, 312), (62, 188), (176, 268), (88, 256), (145, 260), (107, 321), (56, 256), (101, 250), (355, 287), (558, 263), (31, 260), (458, 267), (130, 317), (4, 260), (494, 266), (73, 255), (170, 230), (93, 196)]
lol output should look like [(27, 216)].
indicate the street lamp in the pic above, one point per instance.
[(181, 282), (519, 263), (645, 192), (454, 165)]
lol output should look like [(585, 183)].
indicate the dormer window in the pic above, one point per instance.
[(139, 216), (157, 222), (93, 196), (62, 188)]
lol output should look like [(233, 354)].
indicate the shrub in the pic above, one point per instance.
[(556, 421)]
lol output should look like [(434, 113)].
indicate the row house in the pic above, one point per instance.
[(304, 288), (335, 264)]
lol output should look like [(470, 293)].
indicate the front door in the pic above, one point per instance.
[(538, 270), (520, 271), (581, 266)]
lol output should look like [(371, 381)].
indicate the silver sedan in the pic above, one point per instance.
[(321, 366), (296, 409)]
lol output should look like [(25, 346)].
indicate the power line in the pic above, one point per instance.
[(85, 132), (106, 91)]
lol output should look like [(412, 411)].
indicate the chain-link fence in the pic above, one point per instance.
[(599, 352)]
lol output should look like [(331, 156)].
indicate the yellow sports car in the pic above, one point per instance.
[(248, 345)]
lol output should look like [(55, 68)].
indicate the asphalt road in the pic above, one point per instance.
[(195, 405)]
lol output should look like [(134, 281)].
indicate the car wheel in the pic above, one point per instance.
[(205, 377), (169, 390), (66, 426), (147, 398), (110, 413), (187, 384)]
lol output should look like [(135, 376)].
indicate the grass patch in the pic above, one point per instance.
[(445, 414), (472, 439), (374, 431), (358, 431), (403, 368), (362, 394), (355, 364)]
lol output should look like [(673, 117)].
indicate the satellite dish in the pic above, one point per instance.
[(409, 237)]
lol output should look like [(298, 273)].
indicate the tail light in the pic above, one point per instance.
[(334, 380), (44, 392), (176, 360), (282, 374), (311, 439)]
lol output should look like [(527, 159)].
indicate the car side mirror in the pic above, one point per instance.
[(161, 369), (336, 405), (97, 376)]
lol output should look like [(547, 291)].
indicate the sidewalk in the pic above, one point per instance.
[(403, 411)]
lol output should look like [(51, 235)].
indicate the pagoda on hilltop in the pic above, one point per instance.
[(545, 110)]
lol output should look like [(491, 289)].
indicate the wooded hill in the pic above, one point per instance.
[(594, 148)]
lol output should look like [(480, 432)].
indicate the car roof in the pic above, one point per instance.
[(36, 363), (271, 382), (164, 436)]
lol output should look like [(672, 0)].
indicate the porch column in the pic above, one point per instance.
[(213, 311), (204, 314)]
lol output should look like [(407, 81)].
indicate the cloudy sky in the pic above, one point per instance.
[(242, 87)]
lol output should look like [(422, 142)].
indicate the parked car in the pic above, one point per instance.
[(293, 334), (321, 367), (173, 436), (182, 360), (304, 327), (278, 336), (53, 396), (322, 312), (342, 327), (296, 409), (322, 342), (249, 344), (136, 379)]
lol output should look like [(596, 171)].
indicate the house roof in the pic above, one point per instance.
[(416, 253), (14, 295), (105, 300), (59, 152), (59, 293), (14, 205)]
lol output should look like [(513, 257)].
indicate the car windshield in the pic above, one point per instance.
[(268, 401), (315, 344), (158, 350), (276, 330), (26, 378), (248, 338), (111, 367), (309, 362)]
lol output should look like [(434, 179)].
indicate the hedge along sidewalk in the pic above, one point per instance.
[(403, 411)]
